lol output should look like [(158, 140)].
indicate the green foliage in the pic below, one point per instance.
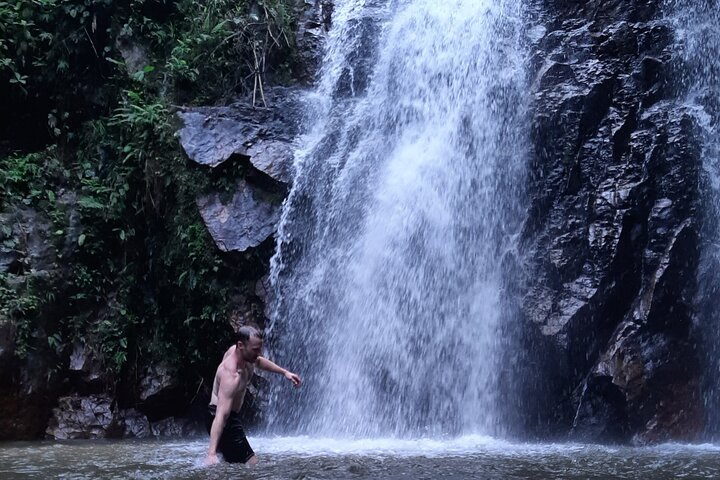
[(144, 274), (113, 333), (24, 178), (19, 303), (229, 32), (41, 37)]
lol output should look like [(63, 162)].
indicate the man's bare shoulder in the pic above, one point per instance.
[(228, 380), (226, 370), (228, 352)]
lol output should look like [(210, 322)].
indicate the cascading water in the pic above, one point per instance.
[(696, 24), (407, 198)]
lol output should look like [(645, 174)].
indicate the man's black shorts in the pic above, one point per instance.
[(233, 443)]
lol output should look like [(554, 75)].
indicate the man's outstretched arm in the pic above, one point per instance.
[(226, 391), (265, 364)]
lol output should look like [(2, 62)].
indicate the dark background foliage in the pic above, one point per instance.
[(87, 143)]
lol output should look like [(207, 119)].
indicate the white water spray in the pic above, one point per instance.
[(407, 197), (697, 23)]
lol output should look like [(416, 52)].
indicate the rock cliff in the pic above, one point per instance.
[(613, 230)]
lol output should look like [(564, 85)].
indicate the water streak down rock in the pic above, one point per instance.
[(613, 229)]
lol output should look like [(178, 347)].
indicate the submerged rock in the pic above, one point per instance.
[(175, 427), (134, 424)]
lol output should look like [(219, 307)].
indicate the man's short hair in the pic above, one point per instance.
[(246, 332)]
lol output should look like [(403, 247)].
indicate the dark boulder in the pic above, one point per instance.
[(243, 222), (175, 427), (85, 364), (134, 424)]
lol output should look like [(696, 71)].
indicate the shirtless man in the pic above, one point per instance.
[(231, 380)]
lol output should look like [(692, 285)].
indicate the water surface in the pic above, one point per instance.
[(307, 458)]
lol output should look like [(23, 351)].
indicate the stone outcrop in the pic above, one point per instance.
[(134, 424), (85, 364), (175, 427), (262, 137), (83, 417), (613, 229), (244, 222), (212, 135), (27, 245), (96, 416)]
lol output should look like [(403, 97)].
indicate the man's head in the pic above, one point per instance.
[(249, 343)]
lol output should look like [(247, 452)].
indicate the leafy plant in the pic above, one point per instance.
[(105, 167)]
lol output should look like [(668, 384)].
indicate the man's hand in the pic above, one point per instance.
[(293, 378), (211, 459)]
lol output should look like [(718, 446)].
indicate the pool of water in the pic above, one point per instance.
[(306, 458)]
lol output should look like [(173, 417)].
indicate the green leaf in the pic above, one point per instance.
[(81, 239), (90, 203), (54, 341)]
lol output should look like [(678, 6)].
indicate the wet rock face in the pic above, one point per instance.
[(96, 416), (134, 423), (85, 364), (613, 228), (159, 392), (175, 427), (27, 243), (315, 18), (83, 417)]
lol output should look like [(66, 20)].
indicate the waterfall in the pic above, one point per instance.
[(406, 202), (697, 24)]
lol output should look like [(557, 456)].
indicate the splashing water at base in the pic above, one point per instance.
[(306, 458), (389, 270)]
